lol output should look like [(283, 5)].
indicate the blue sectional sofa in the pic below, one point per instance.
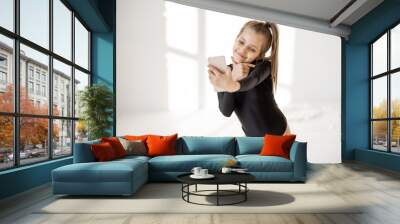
[(125, 176)]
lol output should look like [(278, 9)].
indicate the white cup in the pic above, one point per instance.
[(196, 171), (203, 172), (226, 170)]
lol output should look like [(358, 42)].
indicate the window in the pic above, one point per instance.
[(385, 91), (3, 61), (30, 87), (52, 134), (7, 14), (81, 45), (62, 75), (6, 142), (62, 137), (3, 72), (3, 78), (37, 148), (6, 73), (43, 90), (62, 29), (37, 74), (30, 72), (38, 89), (35, 21), (81, 81)]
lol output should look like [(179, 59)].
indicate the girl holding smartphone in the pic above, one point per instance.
[(248, 85)]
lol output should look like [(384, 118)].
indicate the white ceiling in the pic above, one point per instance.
[(320, 9), (315, 15)]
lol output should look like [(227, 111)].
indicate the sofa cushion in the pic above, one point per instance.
[(161, 145), (277, 145), (249, 145), (111, 171), (257, 163), (198, 145), (185, 163), (136, 137), (103, 152), (116, 145), (134, 147)]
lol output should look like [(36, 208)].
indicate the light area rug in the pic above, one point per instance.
[(167, 198)]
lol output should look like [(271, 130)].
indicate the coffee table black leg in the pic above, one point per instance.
[(217, 194), (188, 189), (196, 188), (245, 193)]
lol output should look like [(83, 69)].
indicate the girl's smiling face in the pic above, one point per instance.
[(248, 46)]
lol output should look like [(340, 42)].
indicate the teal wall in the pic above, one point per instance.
[(103, 63), (103, 51), (99, 15), (356, 100), (24, 178)]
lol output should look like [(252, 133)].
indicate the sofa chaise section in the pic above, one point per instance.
[(101, 178), (87, 177)]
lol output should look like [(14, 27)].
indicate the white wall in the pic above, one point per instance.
[(162, 80)]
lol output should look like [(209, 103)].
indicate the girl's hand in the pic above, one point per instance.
[(240, 70), (222, 82)]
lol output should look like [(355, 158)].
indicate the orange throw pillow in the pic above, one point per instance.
[(135, 138), (116, 145), (161, 145), (103, 152), (277, 145)]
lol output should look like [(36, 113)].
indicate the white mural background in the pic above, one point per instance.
[(163, 87)]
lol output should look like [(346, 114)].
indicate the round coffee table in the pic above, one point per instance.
[(238, 179)]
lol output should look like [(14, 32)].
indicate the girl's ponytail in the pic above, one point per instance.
[(273, 58)]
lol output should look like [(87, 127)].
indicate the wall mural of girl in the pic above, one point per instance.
[(248, 85)]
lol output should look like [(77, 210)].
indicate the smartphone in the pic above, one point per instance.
[(218, 61)]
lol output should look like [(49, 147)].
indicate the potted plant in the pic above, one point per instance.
[(96, 102)]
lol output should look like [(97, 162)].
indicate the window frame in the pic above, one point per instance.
[(388, 74), (15, 72)]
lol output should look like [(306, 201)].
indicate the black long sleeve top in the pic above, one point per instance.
[(254, 103)]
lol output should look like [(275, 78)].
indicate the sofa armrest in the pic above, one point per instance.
[(83, 152), (298, 155)]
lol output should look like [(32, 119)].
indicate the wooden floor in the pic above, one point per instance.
[(354, 182)]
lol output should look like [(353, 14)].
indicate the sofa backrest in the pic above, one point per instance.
[(192, 145), (83, 152), (249, 145)]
